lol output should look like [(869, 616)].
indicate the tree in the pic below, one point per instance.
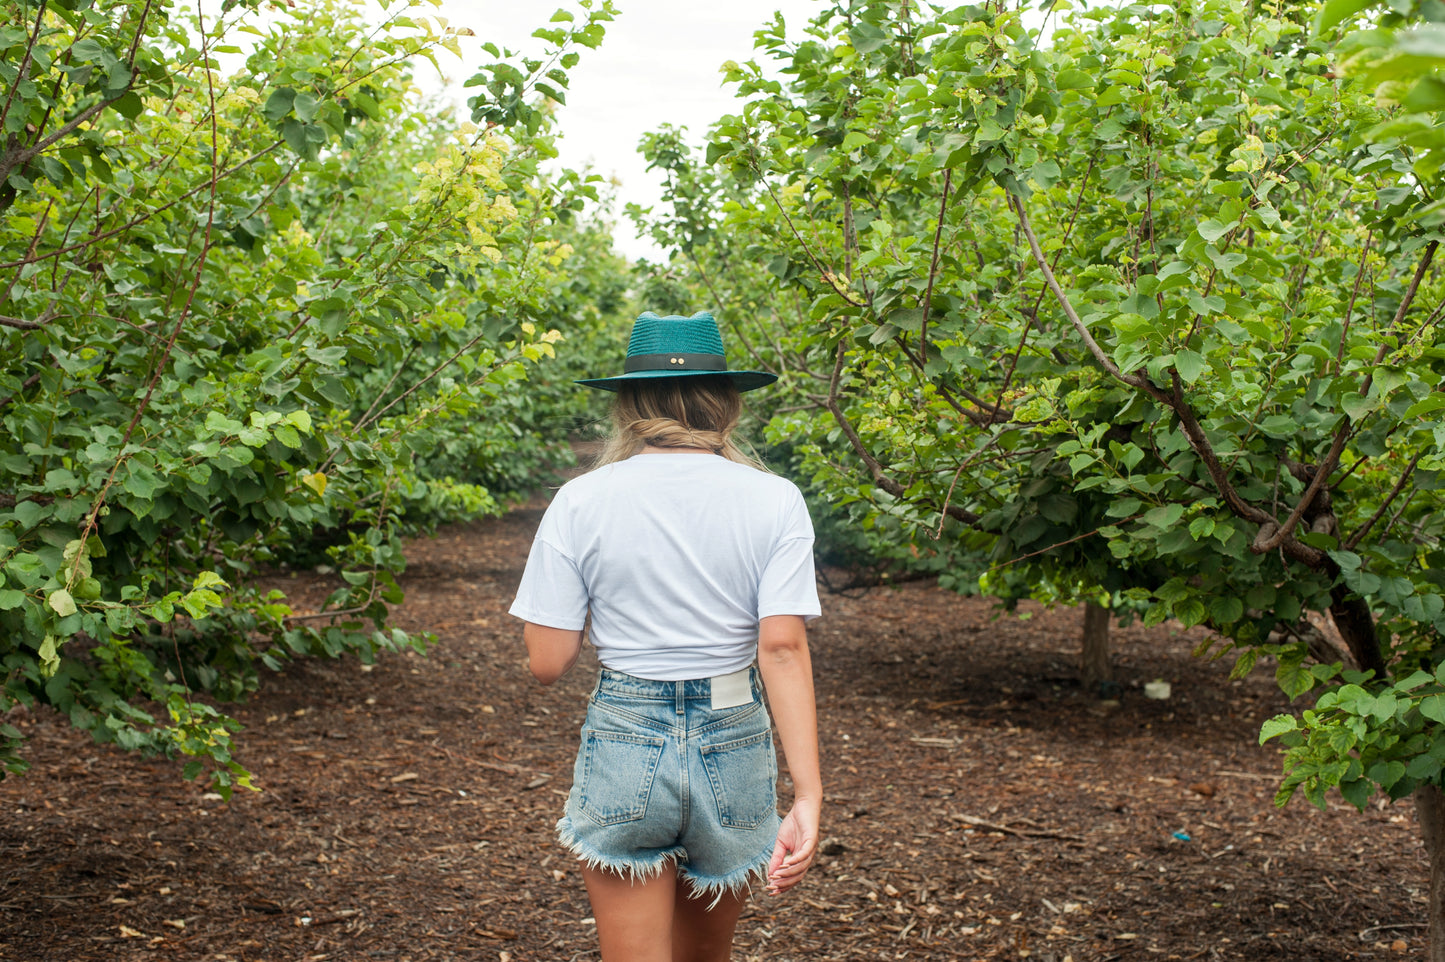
[(1142, 308), (243, 314)]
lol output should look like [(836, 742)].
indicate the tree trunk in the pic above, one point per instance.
[(1357, 627), (1095, 668), (1430, 809)]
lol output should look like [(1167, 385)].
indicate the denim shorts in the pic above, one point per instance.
[(662, 778)]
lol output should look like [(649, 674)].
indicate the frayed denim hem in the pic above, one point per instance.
[(637, 871), (734, 883)]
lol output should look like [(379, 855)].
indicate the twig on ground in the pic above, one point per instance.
[(995, 827)]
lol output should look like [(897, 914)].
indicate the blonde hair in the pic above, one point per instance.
[(700, 411)]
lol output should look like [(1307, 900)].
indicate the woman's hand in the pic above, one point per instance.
[(797, 844)]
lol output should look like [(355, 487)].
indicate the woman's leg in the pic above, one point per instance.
[(634, 917), (700, 935)]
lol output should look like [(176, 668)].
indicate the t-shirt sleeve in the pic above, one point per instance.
[(552, 591), (788, 585)]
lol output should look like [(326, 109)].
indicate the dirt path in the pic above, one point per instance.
[(979, 807)]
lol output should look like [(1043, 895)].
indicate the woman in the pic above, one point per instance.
[(691, 560)]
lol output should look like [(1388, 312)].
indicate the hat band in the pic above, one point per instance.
[(674, 362)]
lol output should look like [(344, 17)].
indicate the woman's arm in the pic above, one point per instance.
[(551, 652), (788, 675)]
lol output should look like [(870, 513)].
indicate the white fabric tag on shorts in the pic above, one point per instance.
[(730, 691)]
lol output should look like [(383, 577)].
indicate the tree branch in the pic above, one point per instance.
[(933, 267), (1104, 361), (1354, 293), (24, 62), (1359, 535), (142, 218), (826, 274), (93, 517), (18, 158), (1198, 440), (875, 468), (1332, 458)]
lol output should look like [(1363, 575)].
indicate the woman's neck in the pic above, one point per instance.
[(653, 449)]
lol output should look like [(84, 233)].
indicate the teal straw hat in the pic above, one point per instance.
[(676, 346)]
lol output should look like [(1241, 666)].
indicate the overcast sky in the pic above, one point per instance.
[(659, 64)]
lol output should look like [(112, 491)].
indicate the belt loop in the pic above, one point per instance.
[(680, 688)]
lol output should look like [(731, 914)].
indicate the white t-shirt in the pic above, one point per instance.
[(677, 556)]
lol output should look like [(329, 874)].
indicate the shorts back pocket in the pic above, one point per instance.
[(744, 774), (618, 769)]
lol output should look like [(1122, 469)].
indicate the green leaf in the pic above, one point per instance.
[(1212, 230), (305, 107), (1073, 79), (1164, 516), (278, 105), (1386, 773), (1428, 95), (1190, 612), (1293, 679), (61, 602), (11, 598), (867, 37), (1426, 40), (30, 513), (1433, 707), (1414, 680), (1123, 507), (1226, 611), (1335, 11), (294, 132), (218, 423), (1189, 364), (1357, 792), (49, 654), (141, 481), (1277, 726), (1357, 406), (208, 579), (1347, 560)]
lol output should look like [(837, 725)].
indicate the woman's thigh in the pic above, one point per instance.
[(634, 915), (703, 926)]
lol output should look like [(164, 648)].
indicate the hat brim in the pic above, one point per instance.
[(742, 380)]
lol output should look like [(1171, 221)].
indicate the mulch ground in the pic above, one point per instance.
[(980, 806)]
